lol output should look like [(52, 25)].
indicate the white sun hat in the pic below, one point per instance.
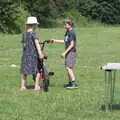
[(32, 20)]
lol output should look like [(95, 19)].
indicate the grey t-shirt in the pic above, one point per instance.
[(69, 36)]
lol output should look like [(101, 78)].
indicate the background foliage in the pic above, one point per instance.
[(49, 12)]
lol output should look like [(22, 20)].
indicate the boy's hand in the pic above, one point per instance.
[(51, 41), (63, 54)]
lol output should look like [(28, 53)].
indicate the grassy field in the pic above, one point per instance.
[(96, 47)]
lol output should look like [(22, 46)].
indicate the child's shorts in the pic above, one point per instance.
[(70, 59)]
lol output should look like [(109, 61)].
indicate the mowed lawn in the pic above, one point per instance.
[(96, 47)]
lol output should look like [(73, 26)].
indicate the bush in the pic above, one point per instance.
[(72, 14), (76, 16), (12, 18), (20, 19), (106, 13), (44, 10), (84, 6)]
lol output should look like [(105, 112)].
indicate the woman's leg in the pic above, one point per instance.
[(37, 81), (23, 82)]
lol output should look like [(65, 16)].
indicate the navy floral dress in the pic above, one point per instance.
[(29, 61)]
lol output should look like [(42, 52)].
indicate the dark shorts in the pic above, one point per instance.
[(70, 59)]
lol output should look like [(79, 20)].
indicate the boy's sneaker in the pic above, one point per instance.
[(67, 85), (72, 85)]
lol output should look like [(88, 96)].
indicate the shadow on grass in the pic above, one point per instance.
[(112, 107), (30, 87)]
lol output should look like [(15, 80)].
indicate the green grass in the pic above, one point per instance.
[(96, 47)]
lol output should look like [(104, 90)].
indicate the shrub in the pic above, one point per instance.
[(106, 13), (44, 10), (12, 18)]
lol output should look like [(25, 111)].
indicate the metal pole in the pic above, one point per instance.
[(113, 86), (110, 89), (106, 90)]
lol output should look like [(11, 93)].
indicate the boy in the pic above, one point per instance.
[(31, 53), (70, 52)]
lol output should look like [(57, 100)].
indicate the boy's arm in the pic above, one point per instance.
[(41, 56), (70, 46), (68, 49), (57, 41)]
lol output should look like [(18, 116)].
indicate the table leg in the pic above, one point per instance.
[(113, 87), (110, 89), (106, 91), (110, 77)]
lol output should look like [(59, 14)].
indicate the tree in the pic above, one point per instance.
[(12, 17), (106, 13), (84, 6), (64, 6), (44, 10)]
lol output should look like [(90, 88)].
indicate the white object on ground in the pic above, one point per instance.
[(13, 65)]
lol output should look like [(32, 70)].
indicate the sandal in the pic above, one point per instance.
[(40, 89), (23, 89)]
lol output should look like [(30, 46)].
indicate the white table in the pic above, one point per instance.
[(110, 77)]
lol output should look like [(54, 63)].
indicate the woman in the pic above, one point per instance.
[(31, 53)]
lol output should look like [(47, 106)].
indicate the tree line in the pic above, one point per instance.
[(14, 12)]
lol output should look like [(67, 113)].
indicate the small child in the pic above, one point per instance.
[(31, 53), (70, 52)]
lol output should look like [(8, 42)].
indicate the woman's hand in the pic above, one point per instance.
[(41, 57)]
